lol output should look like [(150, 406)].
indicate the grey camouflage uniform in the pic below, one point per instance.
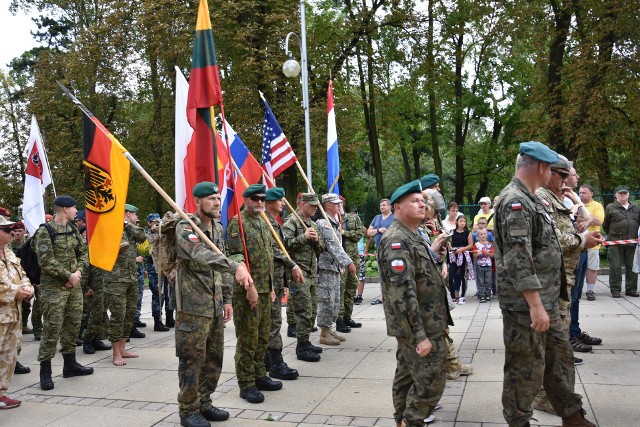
[(352, 226), (61, 306), (199, 319), (415, 307), (330, 263), (528, 257)]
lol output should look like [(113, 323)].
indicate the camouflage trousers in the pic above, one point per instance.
[(200, 349), (533, 359), (418, 382), (94, 307), (157, 300), (328, 297), (275, 339), (348, 288), (303, 304), (291, 317), (120, 299), (10, 341), (36, 312), (62, 314), (140, 283), (565, 311), (252, 333)]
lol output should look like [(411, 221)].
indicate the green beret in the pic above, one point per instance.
[(310, 198), (204, 189), (130, 208), (254, 189), (403, 190), (275, 193), (64, 201), (429, 180), (539, 152)]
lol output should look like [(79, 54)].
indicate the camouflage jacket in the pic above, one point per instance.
[(92, 278), (304, 252), (15, 247), (620, 223), (280, 277), (261, 248), (414, 295), (60, 259), (571, 242), (333, 258), (125, 268), (352, 226), (528, 255), (12, 277), (200, 272)]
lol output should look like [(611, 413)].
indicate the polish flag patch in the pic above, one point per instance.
[(193, 238), (516, 206), (398, 265), (544, 202), (397, 245)]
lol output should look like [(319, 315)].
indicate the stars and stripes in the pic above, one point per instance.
[(277, 154)]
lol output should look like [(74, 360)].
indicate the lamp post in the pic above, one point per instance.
[(291, 68)]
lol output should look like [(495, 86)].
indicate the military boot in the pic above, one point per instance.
[(351, 323), (327, 338), (577, 420), (291, 331), (170, 320), (341, 326), (72, 368), (87, 347), (305, 352), (278, 367), (46, 383), (21, 369), (267, 384), (336, 336), (267, 361), (135, 333), (98, 345), (158, 326)]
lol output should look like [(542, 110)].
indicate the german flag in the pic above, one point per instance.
[(106, 181), (204, 93)]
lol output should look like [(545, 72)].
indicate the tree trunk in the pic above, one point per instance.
[(435, 145), (458, 117), (373, 131), (405, 164)]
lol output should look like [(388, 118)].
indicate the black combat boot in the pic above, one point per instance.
[(341, 326), (279, 368), (135, 333), (170, 320), (87, 347), (267, 384), (21, 369), (46, 383), (306, 353), (139, 324), (72, 368), (349, 322), (98, 345), (252, 395), (291, 331), (158, 326), (194, 420)]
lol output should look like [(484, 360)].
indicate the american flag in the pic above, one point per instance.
[(277, 154)]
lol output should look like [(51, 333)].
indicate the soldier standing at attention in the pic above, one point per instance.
[(62, 258), (304, 246), (203, 308), (273, 361), (330, 265), (352, 231), (529, 261), (253, 325)]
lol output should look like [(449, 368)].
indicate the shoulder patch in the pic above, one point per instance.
[(398, 265), (544, 202), (193, 238), (516, 206), (396, 245)]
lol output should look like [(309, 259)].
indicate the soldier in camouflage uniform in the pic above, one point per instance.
[(253, 324), (331, 262), (529, 261), (203, 307), (352, 231), (62, 260), (273, 361), (304, 244), (16, 245), (14, 287), (291, 318), (416, 309), (121, 288)]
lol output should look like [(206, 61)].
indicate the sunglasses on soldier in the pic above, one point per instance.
[(258, 198), (6, 230)]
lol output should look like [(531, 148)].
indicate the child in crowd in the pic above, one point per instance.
[(483, 254)]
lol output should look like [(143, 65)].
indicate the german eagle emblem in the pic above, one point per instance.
[(98, 189)]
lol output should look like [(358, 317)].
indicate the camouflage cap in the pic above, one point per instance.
[(403, 190), (204, 189), (275, 193), (562, 165), (539, 152), (65, 201), (331, 198), (130, 208), (310, 198), (254, 189), (429, 180)]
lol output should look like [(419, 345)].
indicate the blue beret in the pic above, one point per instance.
[(204, 189), (403, 190), (64, 201), (254, 189), (81, 215), (275, 193), (153, 217), (429, 180), (130, 208), (539, 151)]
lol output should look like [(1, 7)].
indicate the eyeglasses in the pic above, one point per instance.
[(564, 175), (258, 198), (6, 230)]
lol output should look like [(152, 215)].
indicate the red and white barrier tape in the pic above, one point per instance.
[(620, 242)]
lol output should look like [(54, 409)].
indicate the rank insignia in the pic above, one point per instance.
[(398, 265)]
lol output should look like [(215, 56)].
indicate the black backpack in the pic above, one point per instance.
[(29, 259)]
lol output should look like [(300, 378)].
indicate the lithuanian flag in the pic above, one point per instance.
[(204, 93), (106, 181)]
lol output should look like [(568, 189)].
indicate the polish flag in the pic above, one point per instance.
[(184, 132), (37, 178)]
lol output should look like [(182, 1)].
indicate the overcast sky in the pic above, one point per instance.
[(15, 34)]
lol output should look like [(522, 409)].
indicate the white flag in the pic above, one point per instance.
[(37, 178)]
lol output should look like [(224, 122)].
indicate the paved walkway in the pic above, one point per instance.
[(351, 385)]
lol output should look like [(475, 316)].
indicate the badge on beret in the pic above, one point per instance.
[(516, 206), (193, 238), (396, 245), (398, 265)]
